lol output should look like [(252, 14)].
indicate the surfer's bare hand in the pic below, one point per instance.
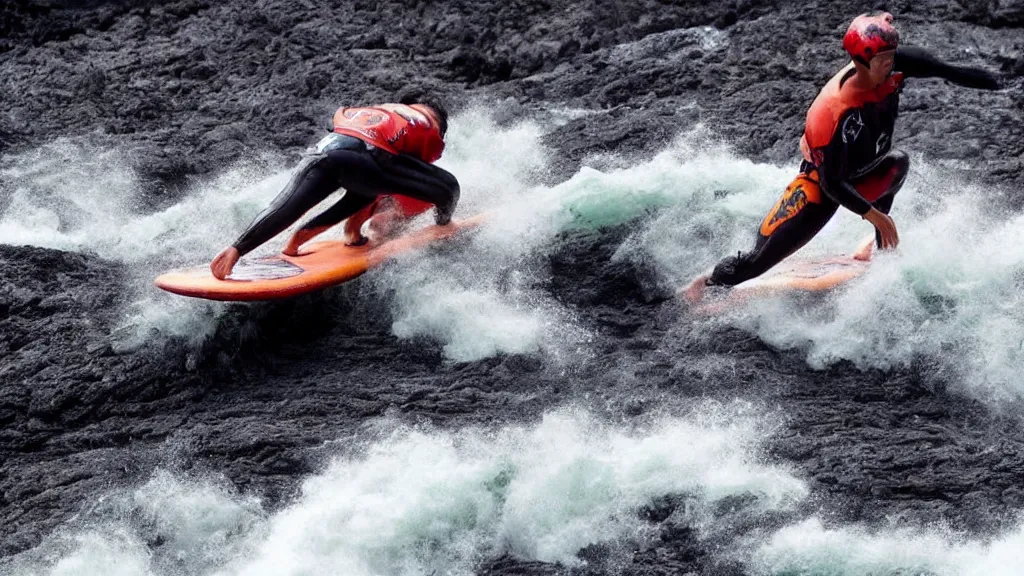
[(885, 226), (224, 262)]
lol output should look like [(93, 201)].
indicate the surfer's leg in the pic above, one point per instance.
[(386, 216), (356, 172), (351, 203), (881, 184), (391, 215), (354, 223), (797, 217), (367, 174)]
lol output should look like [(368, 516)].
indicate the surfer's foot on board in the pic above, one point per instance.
[(356, 240), (300, 237), (224, 262), (865, 249), (694, 292)]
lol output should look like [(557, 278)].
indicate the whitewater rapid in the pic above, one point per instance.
[(401, 499), (948, 299)]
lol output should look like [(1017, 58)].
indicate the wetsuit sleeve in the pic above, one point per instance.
[(312, 182), (916, 62), (834, 174)]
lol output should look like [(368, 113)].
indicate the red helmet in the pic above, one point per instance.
[(869, 35)]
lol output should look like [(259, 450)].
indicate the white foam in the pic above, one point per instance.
[(483, 299), (200, 523), (95, 554), (79, 195), (193, 526), (65, 195), (420, 501), (472, 323), (811, 548), (700, 195)]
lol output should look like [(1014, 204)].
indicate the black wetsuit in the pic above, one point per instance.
[(365, 172), (857, 162)]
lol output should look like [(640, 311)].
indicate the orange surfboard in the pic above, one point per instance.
[(807, 276), (799, 276), (318, 266)]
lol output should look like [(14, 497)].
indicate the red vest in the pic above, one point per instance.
[(832, 103), (397, 128)]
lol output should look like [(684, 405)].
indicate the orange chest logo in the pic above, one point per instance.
[(363, 118), (408, 113)]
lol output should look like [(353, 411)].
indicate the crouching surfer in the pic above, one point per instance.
[(847, 151), (383, 157)]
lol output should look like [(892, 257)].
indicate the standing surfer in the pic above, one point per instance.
[(846, 148)]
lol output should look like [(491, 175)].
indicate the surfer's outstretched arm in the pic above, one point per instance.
[(313, 181), (919, 63)]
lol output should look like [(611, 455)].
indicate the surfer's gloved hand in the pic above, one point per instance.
[(444, 211)]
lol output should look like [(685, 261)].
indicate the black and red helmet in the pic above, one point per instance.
[(869, 35)]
